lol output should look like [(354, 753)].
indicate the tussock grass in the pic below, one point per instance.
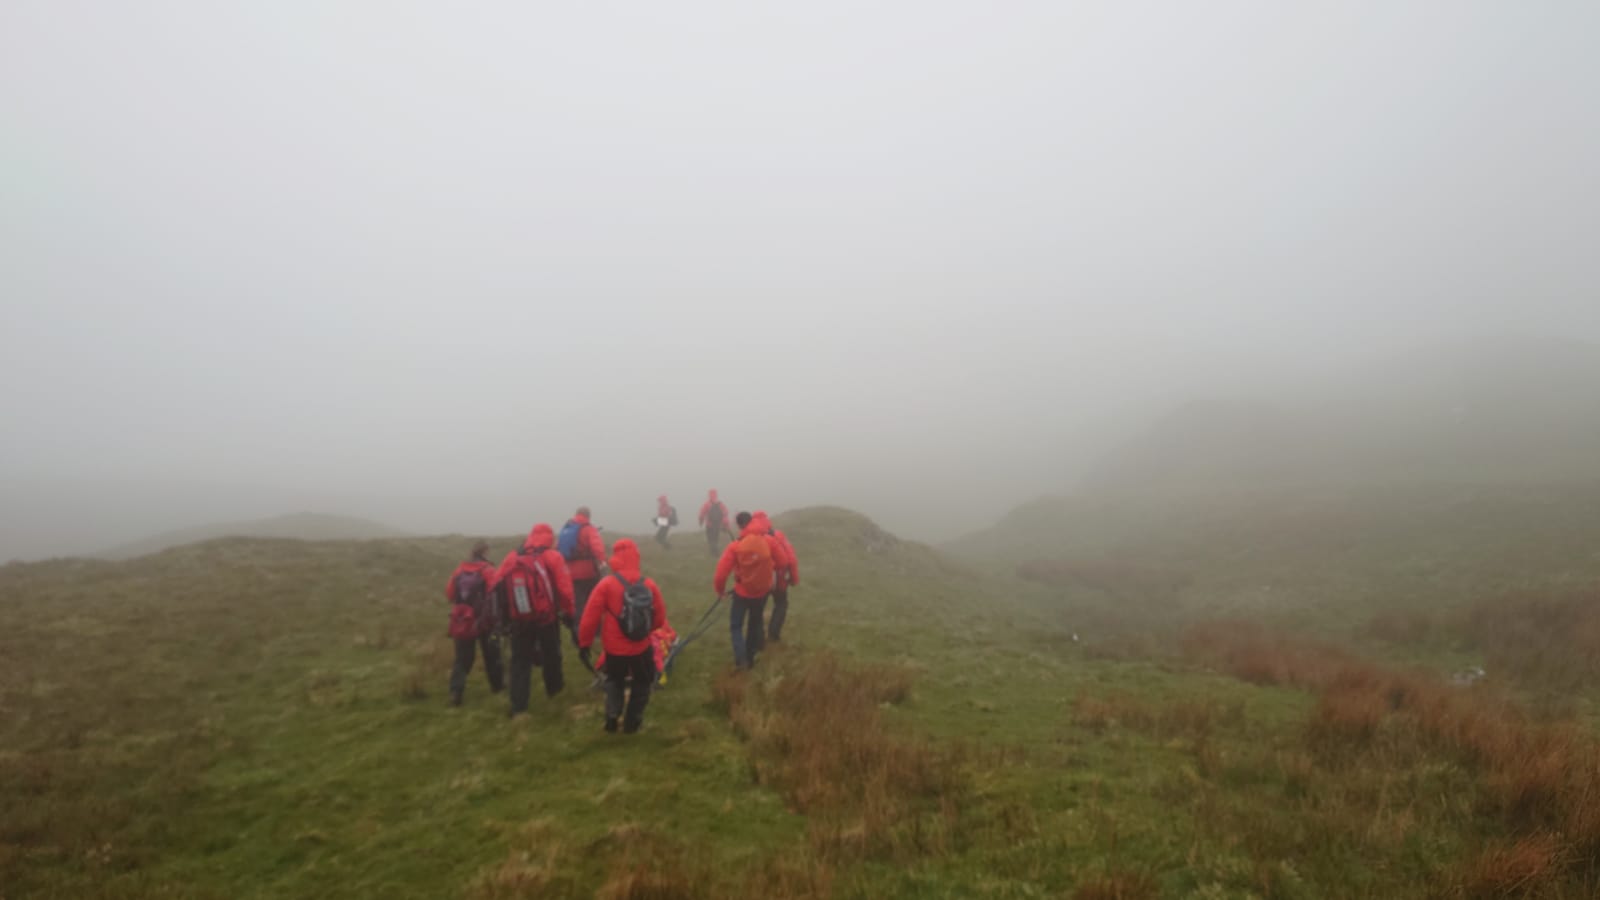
[(817, 735), (1538, 782), (1118, 886), (1550, 638)]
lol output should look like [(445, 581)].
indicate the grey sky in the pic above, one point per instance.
[(463, 266)]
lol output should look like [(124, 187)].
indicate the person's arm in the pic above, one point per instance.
[(724, 569), (450, 586), (704, 508), (596, 544), (561, 577), (658, 607), (598, 602), (794, 563)]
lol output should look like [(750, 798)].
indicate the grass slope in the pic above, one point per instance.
[(299, 526), (259, 718)]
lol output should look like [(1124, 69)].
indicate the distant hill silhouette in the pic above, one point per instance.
[(300, 526), (1485, 411)]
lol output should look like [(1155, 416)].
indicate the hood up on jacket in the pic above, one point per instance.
[(625, 559), (542, 537)]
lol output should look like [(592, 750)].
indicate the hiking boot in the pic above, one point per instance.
[(611, 726), (455, 698), (631, 727)]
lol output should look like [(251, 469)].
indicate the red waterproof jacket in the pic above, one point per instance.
[(729, 560), (481, 566), (541, 543), (605, 605), (663, 508), (585, 565), (707, 520), (791, 572)]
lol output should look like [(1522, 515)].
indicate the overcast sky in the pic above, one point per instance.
[(461, 266)]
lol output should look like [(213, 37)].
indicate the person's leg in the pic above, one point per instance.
[(523, 648), (712, 536), (643, 669), (737, 610), (661, 537), (459, 671), (491, 663), (550, 658), (616, 670), (780, 610), (756, 637)]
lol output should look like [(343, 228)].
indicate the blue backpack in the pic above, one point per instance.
[(567, 544)]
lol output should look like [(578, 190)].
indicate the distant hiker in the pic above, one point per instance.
[(714, 519), (625, 608), (472, 622), (787, 577), (754, 560), (535, 593), (583, 549), (666, 520)]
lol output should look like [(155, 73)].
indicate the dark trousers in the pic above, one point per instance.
[(748, 636), (618, 669), (465, 652), (661, 536), (534, 645), (580, 596), (780, 610), (713, 539)]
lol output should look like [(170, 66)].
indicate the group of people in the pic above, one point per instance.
[(556, 581)]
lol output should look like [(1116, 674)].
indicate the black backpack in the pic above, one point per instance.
[(637, 618), (672, 517)]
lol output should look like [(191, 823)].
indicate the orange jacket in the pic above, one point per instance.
[(725, 565), (591, 549), (541, 544), (605, 606)]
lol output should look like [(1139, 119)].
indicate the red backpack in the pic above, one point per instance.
[(525, 592)]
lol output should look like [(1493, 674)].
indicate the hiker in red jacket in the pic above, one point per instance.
[(754, 559), (714, 519), (666, 517), (537, 640), (583, 549), (788, 576), (626, 658), (469, 587)]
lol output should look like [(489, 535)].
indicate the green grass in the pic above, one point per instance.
[(261, 718)]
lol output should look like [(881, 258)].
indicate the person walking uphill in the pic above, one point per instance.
[(535, 591), (753, 560), (666, 518), (472, 622), (624, 608), (583, 549), (787, 577), (714, 519)]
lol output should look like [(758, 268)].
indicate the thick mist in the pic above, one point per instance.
[(458, 269)]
